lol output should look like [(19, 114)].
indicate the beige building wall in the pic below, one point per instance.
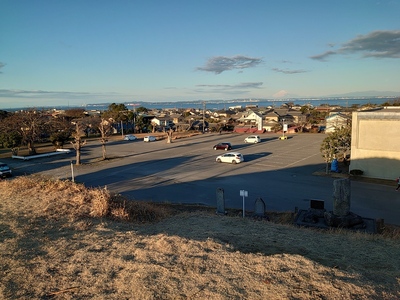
[(375, 143)]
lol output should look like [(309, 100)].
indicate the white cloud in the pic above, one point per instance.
[(378, 44), (219, 64), (287, 71)]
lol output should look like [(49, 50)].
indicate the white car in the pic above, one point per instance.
[(252, 139), (230, 157), (129, 137), (5, 170), (149, 138)]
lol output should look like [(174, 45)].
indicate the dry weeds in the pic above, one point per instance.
[(60, 240)]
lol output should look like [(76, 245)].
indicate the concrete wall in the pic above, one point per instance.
[(375, 143)]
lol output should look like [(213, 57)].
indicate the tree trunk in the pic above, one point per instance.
[(14, 151), (78, 155), (169, 136), (77, 146), (31, 149), (103, 148)]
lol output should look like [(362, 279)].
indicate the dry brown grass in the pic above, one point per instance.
[(60, 240)]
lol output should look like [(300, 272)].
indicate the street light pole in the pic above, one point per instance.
[(283, 128), (204, 108)]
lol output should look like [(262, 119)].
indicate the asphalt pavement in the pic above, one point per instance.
[(286, 174)]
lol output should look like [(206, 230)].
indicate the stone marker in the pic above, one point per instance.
[(341, 197), (341, 215), (220, 201), (259, 207), (317, 204)]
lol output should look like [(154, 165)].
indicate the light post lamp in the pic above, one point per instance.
[(204, 109), (283, 137)]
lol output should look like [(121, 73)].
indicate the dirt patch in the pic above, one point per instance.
[(58, 241)]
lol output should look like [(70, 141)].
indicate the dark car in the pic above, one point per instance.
[(223, 146), (5, 170)]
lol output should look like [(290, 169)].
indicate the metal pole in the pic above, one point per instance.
[(204, 108), (72, 172), (243, 205)]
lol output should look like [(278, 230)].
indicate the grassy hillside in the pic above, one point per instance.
[(60, 240)]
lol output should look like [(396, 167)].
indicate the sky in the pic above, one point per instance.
[(78, 52)]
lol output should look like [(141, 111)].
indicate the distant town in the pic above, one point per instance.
[(249, 116)]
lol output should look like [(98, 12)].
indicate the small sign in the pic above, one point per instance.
[(220, 201), (244, 193)]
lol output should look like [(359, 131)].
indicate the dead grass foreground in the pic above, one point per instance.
[(59, 240)]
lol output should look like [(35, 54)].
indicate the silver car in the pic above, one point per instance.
[(252, 139), (129, 137), (230, 157), (149, 138)]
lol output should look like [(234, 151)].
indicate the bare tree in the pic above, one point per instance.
[(105, 129), (61, 131), (169, 136), (74, 113), (78, 142), (30, 126), (9, 136)]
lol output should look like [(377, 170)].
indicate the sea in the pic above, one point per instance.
[(236, 103), (226, 104)]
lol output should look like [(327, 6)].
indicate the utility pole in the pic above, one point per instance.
[(204, 110)]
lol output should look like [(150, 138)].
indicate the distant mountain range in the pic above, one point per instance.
[(367, 94)]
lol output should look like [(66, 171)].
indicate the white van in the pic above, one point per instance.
[(252, 139)]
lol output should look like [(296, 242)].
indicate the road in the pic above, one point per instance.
[(185, 171)]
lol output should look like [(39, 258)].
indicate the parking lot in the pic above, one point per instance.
[(185, 171)]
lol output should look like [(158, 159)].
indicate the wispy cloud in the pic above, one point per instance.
[(1, 66), (378, 44), (219, 64), (239, 88), (286, 71), (9, 98), (37, 93), (323, 56), (244, 85)]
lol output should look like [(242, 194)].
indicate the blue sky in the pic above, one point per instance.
[(55, 52)]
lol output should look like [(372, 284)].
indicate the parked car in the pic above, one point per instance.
[(223, 146), (5, 170), (149, 138), (252, 139), (230, 157), (130, 137)]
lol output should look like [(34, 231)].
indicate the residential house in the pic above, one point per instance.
[(163, 122), (271, 116), (199, 125), (325, 109), (337, 120), (254, 120), (269, 125), (177, 118), (297, 116)]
